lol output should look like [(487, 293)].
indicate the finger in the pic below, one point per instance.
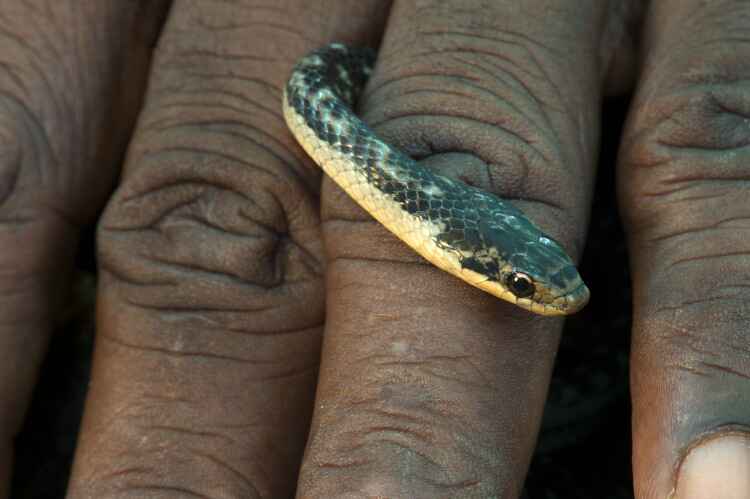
[(61, 64), (683, 190), (430, 388), (210, 300)]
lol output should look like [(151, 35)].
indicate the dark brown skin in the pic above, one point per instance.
[(225, 255)]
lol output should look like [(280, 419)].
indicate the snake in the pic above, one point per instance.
[(468, 232)]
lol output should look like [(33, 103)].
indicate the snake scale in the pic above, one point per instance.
[(478, 237)]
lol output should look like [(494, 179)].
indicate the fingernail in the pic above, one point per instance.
[(718, 468)]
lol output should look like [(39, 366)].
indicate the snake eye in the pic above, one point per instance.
[(520, 284)]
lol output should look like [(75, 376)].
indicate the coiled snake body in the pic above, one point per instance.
[(470, 233)]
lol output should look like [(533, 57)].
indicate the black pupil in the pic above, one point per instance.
[(520, 285)]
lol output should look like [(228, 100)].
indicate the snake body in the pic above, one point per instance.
[(478, 237)]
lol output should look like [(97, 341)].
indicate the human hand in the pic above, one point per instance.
[(213, 248)]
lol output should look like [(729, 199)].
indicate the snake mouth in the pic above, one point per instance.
[(563, 304), (566, 304), (571, 302)]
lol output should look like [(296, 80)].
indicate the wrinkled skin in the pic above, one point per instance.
[(224, 255)]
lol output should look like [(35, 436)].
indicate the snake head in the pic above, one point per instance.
[(515, 261), (543, 279)]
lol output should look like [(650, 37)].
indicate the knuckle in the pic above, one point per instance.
[(397, 426), (10, 161), (686, 147), (34, 224), (212, 212), (133, 476), (487, 92), (24, 150)]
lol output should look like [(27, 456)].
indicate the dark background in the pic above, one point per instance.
[(584, 445)]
